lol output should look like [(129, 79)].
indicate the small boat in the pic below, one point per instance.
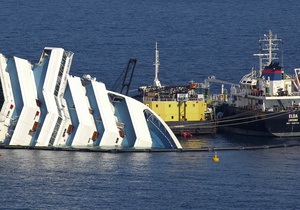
[(266, 101)]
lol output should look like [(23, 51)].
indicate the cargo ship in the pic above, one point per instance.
[(266, 101), (42, 105), (185, 108)]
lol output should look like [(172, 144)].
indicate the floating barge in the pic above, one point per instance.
[(185, 108)]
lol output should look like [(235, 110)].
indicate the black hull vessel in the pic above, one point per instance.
[(258, 123), (266, 101)]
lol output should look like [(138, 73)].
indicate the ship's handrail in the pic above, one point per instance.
[(149, 99)]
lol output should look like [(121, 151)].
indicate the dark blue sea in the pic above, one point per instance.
[(196, 38)]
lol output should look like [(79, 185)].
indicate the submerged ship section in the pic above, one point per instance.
[(42, 105), (266, 101)]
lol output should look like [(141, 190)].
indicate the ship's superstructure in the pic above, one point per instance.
[(266, 101), (43, 105)]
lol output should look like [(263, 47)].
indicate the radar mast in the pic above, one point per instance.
[(269, 45)]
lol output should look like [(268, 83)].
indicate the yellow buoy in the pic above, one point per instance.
[(216, 158)]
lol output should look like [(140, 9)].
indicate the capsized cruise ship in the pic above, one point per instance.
[(42, 105)]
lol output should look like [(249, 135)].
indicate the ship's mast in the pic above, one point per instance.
[(156, 82), (269, 45)]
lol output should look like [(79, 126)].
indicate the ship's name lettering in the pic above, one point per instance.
[(293, 116), (293, 119)]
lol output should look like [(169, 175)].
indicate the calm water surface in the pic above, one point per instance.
[(258, 179), (196, 39)]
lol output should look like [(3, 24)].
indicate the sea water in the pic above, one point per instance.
[(196, 39)]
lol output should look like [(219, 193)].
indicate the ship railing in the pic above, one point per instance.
[(163, 98), (173, 99), (196, 99), (277, 108), (158, 99), (295, 94)]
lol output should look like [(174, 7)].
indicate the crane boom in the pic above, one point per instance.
[(123, 87), (213, 79)]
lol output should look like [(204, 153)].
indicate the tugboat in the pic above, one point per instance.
[(266, 101), (185, 108)]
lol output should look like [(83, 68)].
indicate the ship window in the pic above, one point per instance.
[(169, 105), (156, 105), (172, 117), (193, 105)]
